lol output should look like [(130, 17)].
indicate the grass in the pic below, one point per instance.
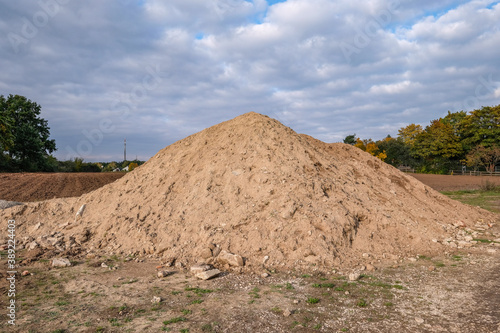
[(174, 320), (312, 300), (487, 198), (323, 285)]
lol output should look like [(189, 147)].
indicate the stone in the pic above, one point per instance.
[(31, 246), (156, 299), (431, 268), (162, 274), (104, 265), (80, 211), (25, 273), (491, 251), (264, 275), (287, 313), (216, 251), (206, 275), (370, 267), (206, 253), (266, 258), (230, 259), (61, 262), (354, 276), (419, 320), (296, 301), (198, 268)]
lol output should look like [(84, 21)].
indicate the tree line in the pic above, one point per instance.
[(25, 144), (470, 139)]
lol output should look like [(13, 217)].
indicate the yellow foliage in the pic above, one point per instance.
[(360, 144), (382, 155), (132, 166)]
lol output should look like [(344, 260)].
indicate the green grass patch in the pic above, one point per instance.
[(174, 320), (488, 199), (312, 300), (323, 285)]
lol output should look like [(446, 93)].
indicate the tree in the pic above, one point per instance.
[(350, 139), (27, 144), (486, 157), (439, 146), (482, 127), (409, 134)]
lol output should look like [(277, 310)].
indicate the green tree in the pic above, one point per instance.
[(30, 146), (482, 127), (439, 146), (350, 139)]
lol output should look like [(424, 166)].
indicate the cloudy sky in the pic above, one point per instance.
[(156, 71)]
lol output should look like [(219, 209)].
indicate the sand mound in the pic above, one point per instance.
[(254, 187)]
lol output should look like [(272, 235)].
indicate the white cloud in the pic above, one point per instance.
[(413, 61)]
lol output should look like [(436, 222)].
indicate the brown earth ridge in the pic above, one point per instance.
[(253, 187)]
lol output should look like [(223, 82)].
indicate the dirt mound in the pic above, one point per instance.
[(254, 187)]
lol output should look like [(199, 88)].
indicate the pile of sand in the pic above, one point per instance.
[(254, 187)]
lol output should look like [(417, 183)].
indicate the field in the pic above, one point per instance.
[(456, 291)]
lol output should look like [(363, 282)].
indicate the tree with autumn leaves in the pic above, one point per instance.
[(460, 138)]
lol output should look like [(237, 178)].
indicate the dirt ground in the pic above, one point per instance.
[(456, 291), (456, 182), (24, 187)]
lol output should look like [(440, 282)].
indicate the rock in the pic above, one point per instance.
[(412, 259), (25, 273), (104, 265), (347, 293), (198, 268), (370, 267), (362, 268), (491, 251), (266, 258), (366, 255), (31, 246), (354, 276), (431, 268), (264, 275), (287, 313), (419, 320), (206, 253), (156, 299), (162, 274), (36, 226), (80, 211), (206, 275), (61, 262), (216, 251), (230, 259), (296, 301)]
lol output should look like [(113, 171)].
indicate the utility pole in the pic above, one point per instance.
[(125, 150)]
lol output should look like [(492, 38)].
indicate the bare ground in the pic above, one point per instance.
[(449, 293)]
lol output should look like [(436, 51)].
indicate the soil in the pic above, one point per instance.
[(26, 187), (456, 182)]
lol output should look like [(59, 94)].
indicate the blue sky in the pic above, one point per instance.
[(157, 71)]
